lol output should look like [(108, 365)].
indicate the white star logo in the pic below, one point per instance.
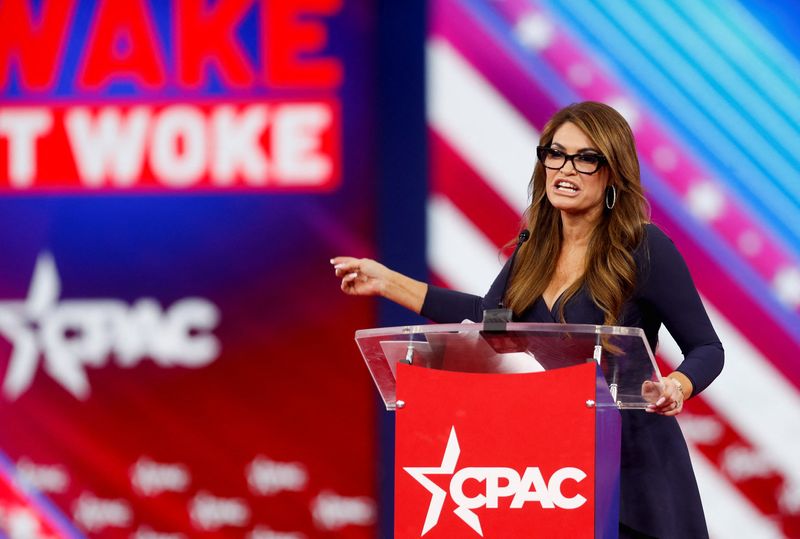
[(438, 494), (71, 335), (20, 321)]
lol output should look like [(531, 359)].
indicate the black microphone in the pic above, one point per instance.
[(522, 238), (495, 320)]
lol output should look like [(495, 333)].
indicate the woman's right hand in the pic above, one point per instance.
[(365, 277), (361, 276)]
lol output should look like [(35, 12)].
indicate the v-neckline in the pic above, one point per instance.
[(547, 313), (555, 301)]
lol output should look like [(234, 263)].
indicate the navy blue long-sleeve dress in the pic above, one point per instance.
[(659, 495)]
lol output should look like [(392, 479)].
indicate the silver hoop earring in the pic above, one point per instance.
[(610, 205)]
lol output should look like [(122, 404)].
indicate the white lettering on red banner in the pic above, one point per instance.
[(95, 514), (263, 532), (71, 335), (263, 145), (145, 532), (267, 476), (150, 478), (50, 478), (333, 512), (530, 487), (23, 127), (210, 513)]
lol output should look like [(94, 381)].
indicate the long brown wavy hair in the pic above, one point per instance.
[(610, 271)]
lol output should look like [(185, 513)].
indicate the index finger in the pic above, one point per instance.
[(345, 260)]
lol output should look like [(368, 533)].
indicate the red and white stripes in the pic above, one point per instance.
[(744, 431)]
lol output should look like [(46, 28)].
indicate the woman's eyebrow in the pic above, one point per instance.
[(582, 150)]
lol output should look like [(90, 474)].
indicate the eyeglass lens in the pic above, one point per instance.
[(585, 163)]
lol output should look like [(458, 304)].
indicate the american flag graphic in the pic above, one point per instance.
[(713, 97)]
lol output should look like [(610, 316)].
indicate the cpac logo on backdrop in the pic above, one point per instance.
[(71, 335), (529, 487)]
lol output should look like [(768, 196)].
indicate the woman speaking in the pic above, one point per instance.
[(594, 258)]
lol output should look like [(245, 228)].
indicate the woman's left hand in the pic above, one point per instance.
[(665, 397)]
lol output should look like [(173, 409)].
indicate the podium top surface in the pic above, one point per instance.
[(623, 353)]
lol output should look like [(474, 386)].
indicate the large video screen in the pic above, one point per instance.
[(175, 355)]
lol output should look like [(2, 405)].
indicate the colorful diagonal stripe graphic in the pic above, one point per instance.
[(711, 108)]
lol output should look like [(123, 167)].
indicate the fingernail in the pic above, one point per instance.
[(660, 401), (352, 275), (338, 266), (331, 261)]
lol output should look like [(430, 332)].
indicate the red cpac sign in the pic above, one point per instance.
[(65, 132), (495, 455)]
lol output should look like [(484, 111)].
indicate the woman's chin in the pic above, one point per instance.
[(568, 205), (578, 210)]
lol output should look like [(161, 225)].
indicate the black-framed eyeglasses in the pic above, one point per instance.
[(585, 163)]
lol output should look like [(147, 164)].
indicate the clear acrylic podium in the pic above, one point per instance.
[(544, 397), (622, 353)]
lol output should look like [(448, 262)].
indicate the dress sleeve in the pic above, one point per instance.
[(668, 287), (448, 306)]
